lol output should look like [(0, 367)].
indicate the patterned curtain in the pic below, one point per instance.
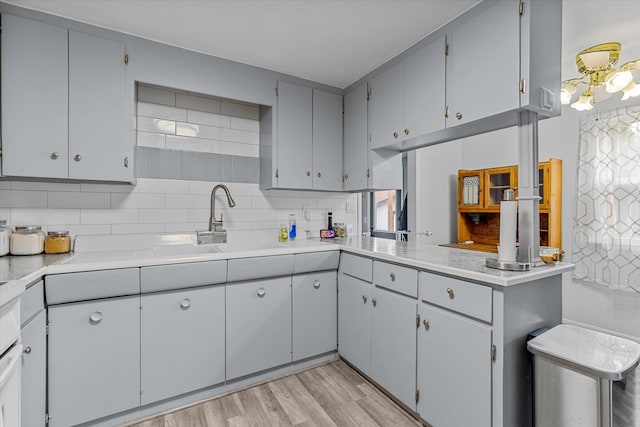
[(606, 230)]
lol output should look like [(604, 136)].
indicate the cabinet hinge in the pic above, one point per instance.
[(368, 94), (417, 395), (47, 418), (277, 173), (417, 320), (46, 329), (368, 173), (126, 58), (494, 353), (521, 10), (276, 90), (523, 86), (446, 49), (446, 112), (126, 161)]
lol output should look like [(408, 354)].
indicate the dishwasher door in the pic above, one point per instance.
[(10, 387)]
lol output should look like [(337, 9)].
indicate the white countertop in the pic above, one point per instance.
[(144, 251)]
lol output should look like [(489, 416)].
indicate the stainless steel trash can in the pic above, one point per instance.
[(573, 372)]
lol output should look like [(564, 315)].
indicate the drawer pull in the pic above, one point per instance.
[(261, 292), (27, 350), (450, 292), (374, 301), (364, 299), (316, 284), (185, 304), (95, 317), (393, 276), (425, 322)]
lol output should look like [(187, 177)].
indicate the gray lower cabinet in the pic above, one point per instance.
[(315, 317), (258, 325), (34, 371), (354, 324), (454, 369), (94, 359), (393, 344), (181, 341)]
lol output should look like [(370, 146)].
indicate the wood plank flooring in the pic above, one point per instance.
[(332, 394)]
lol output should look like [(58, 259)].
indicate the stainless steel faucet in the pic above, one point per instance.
[(215, 225)]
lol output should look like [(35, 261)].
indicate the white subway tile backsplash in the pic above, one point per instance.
[(185, 227), (163, 216), (173, 201), (202, 187), (195, 102), (44, 216), (297, 202), (149, 124), (77, 229), (5, 214), (210, 119), (137, 228), (184, 143), (197, 130), (136, 200), (108, 216), (78, 199), (156, 95), (44, 186), (255, 151), (235, 149), (158, 111), (23, 199), (199, 215), (164, 186), (108, 188), (148, 139), (244, 124), (234, 135), (268, 203), (5, 185), (235, 109)]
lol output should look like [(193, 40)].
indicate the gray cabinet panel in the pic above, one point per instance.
[(34, 371), (94, 359), (294, 136), (385, 108), (259, 267), (356, 266), (258, 325), (69, 287), (316, 261), (393, 344), (96, 110), (180, 276), (354, 327), (471, 46), (467, 298), (395, 277), (31, 302), (454, 370), (34, 98), (356, 141), (327, 141), (181, 342), (315, 314)]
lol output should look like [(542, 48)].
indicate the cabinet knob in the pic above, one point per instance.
[(458, 115), (77, 157), (368, 173), (261, 292), (55, 155), (316, 284), (374, 301), (406, 131), (319, 175), (450, 292), (392, 275), (185, 304), (95, 317), (364, 299), (395, 135), (308, 173), (425, 322), (27, 350), (346, 176)]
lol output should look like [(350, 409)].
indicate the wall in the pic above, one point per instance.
[(585, 23), (171, 122)]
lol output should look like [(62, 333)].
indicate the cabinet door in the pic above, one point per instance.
[(475, 89), (34, 98), (34, 371), (354, 328), (385, 108), (315, 314), (258, 325), (393, 344), (327, 141), (423, 90), (470, 190), (98, 143), (183, 330), (94, 359), (454, 369), (356, 144), (294, 136), (497, 180)]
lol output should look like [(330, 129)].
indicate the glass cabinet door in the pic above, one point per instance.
[(496, 181), (470, 190)]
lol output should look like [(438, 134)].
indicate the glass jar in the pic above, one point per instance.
[(57, 242), (5, 237), (27, 240)]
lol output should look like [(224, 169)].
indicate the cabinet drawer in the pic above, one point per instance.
[(316, 261), (467, 298), (31, 302), (180, 276), (356, 266), (259, 267), (60, 288), (396, 278)]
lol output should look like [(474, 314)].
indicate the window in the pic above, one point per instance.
[(381, 209)]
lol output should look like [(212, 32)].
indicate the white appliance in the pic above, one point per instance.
[(10, 353)]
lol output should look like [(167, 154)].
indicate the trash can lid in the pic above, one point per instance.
[(591, 352)]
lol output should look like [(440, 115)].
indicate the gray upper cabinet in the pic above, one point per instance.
[(483, 67), (34, 98), (63, 104), (327, 141), (385, 107)]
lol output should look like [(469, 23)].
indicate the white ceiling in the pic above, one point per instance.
[(329, 41)]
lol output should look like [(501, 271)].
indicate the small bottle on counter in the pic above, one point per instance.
[(292, 226), (330, 221), (5, 237), (28, 240), (283, 236), (57, 242)]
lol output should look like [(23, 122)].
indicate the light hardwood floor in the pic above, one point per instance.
[(332, 394)]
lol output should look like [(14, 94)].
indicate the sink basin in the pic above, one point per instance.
[(184, 250)]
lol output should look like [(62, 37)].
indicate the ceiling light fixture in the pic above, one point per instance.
[(597, 66)]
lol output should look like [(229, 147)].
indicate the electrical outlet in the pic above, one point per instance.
[(350, 207)]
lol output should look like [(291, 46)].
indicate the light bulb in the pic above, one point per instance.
[(617, 80), (631, 90), (584, 102), (567, 92)]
